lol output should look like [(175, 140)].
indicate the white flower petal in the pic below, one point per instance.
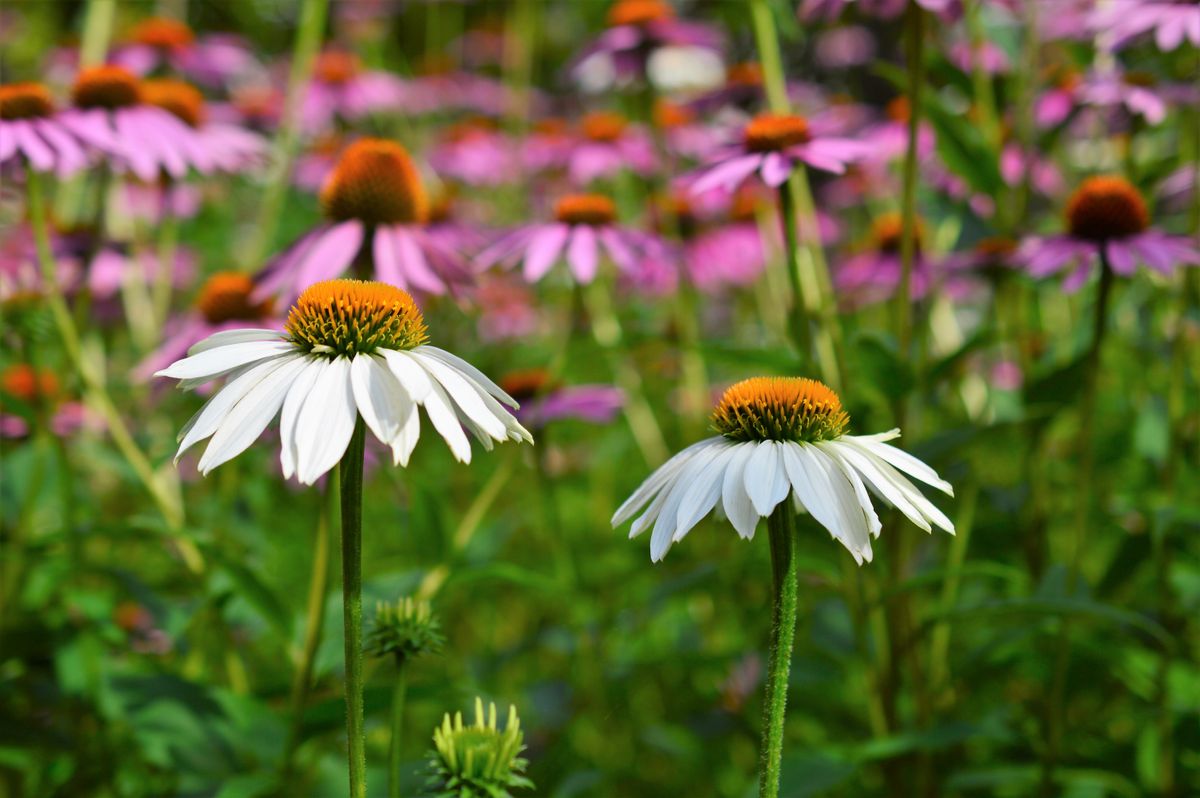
[(441, 415), (875, 472), (247, 420), (812, 484), (227, 337), (208, 418), (406, 441), (703, 492), (325, 423), (291, 411), (765, 478), (853, 516), (472, 372), (383, 403), (212, 363), (665, 527), (735, 502), (903, 461), (860, 491), (415, 379), (465, 394), (655, 482)]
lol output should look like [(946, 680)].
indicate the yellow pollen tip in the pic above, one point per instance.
[(337, 67), (25, 101), (1106, 207), (165, 34), (603, 126), (780, 409), (346, 317), (226, 297), (773, 132), (592, 209), (106, 87), (180, 99), (638, 12), (376, 182)]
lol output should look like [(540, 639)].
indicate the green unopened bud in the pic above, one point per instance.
[(405, 629), (478, 761)]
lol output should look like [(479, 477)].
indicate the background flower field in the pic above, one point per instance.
[(983, 230)]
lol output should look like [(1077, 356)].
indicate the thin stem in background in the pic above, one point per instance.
[(164, 276), (1086, 451), (606, 329), (798, 326), (166, 499), (812, 272), (97, 31), (309, 35), (785, 594), (314, 620), (914, 34), (351, 489), (395, 745)]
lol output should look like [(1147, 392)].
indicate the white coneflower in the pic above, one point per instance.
[(352, 355), (781, 436), (348, 348)]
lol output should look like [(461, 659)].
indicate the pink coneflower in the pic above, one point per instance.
[(31, 133), (731, 254), (1107, 221), (772, 145), (449, 229), (547, 146), (584, 225), (829, 10), (887, 139), (604, 144), (314, 165), (1057, 101), (377, 212), (157, 43), (226, 302), (544, 399), (636, 29), (220, 146), (441, 88), (342, 89), (1171, 21), (989, 57), (874, 275), (682, 133), (112, 116), (475, 152)]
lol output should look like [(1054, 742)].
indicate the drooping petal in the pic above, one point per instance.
[(326, 422), (212, 363)]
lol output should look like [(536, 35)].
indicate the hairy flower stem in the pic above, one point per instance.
[(785, 594), (166, 498), (352, 479), (314, 623), (399, 691), (304, 53), (1085, 448), (811, 270)]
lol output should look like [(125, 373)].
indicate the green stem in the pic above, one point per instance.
[(97, 30), (1055, 707), (399, 689), (811, 270), (352, 479), (940, 642), (166, 499), (914, 28), (797, 319), (314, 621), (981, 81), (304, 53), (785, 593)]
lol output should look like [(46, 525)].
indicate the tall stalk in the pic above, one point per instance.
[(395, 745), (811, 273), (166, 499), (352, 480), (309, 34), (914, 35), (784, 597), (1086, 450)]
